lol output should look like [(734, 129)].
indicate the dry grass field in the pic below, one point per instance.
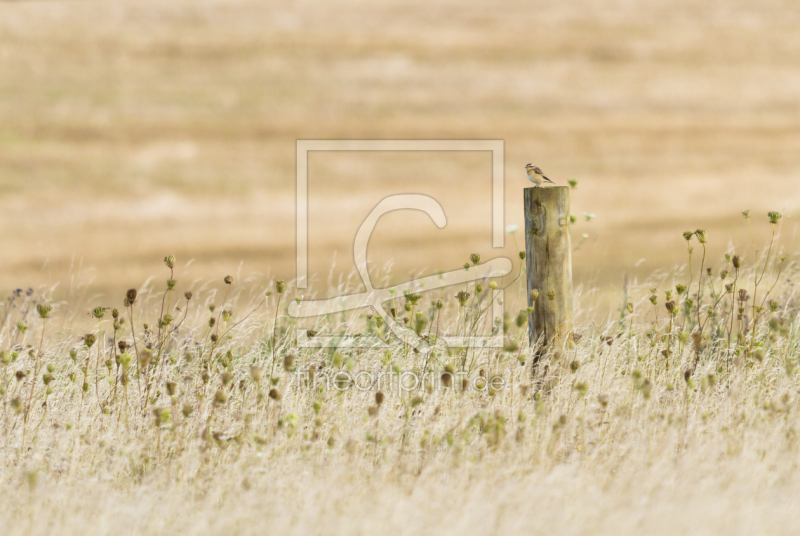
[(130, 130)]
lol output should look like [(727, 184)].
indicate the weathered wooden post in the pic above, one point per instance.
[(549, 263)]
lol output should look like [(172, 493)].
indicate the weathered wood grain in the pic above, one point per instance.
[(549, 264)]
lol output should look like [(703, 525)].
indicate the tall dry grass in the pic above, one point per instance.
[(201, 414)]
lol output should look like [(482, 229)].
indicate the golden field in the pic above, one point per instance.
[(131, 130)]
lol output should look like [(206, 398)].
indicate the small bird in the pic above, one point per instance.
[(536, 176)]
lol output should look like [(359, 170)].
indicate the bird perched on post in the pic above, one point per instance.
[(536, 176)]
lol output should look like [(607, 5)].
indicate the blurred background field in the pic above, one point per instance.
[(130, 130)]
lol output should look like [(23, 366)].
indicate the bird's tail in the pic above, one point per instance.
[(548, 180)]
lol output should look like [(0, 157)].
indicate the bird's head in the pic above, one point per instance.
[(529, 166)]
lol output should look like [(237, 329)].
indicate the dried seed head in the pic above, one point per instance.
[(574, 366), (131, 296), (169, 260), (475, 258), (228, 280), (742, 295), (737, 261), (701, 235), (89, 339), (697, 341), (288, 362), (280, 286), (115, 313), (551, 294), (220, 397), (379, 397), (462, 297), (172, 388), (171, 283), (188, 295), (274, 394), (534, 295)]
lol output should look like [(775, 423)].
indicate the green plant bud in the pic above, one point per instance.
[(169, 260), (475, 258), (280, 286), (171, 284), (22, 327), (44, 310), (551, 294), (688, 235), (774, 217), (522, 255)]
